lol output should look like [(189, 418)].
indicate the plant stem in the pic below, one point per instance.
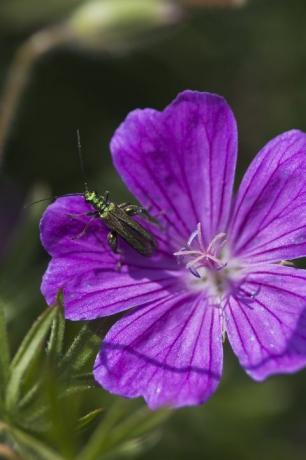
[(19, 72), (7, 453)]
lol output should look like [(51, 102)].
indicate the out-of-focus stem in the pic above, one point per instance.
[(94, 25), (191, 3), (5, 450), (7, 453), (25, 439), (19, 73)]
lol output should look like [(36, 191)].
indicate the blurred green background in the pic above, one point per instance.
[(255, 56)]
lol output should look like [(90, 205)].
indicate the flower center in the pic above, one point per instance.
[(212, 268), (198, 258)]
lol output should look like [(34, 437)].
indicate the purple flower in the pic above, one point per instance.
[(219, 270)]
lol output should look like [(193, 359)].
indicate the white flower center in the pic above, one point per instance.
[(211, 267)]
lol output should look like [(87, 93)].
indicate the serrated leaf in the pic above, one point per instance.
[(28, 350), (4, 353)]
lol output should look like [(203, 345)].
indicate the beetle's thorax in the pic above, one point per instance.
[(97, 201)]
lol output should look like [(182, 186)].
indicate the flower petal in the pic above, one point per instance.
[(169, 352), (180, 163), (64, 221), (269, 219), (84, 267), (266, 321)]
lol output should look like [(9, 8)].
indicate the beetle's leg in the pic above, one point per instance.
[(106, 196), (90, 213), (135, 210), (155, 220), (123, 205), (94, 215), (160, 213), (112, 239)]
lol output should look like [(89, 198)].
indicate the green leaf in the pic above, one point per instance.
[(133, 447), (31, 445), (63, 416), (88, 418), (4, 351), (95, 444), (29, 395), (35, 416), (113, 435), (28, 350), (56, 340), (82, 350), (136, 425)]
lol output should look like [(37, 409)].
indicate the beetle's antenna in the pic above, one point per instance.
[(52, 198), (38, 201), (81, 159)]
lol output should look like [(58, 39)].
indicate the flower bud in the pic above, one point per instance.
[(104, 24)]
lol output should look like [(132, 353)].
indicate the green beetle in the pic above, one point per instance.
[(118, 218)]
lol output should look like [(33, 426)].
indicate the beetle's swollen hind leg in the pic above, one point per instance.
[(123, 205), (112, 238), (135, 210)]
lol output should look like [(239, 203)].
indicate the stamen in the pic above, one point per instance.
[(195, 261), (200, 238), (213, 244), (194, 272), (192, 237), (184, 252), (202, 258)]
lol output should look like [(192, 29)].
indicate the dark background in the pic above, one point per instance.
[(255, 56)]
